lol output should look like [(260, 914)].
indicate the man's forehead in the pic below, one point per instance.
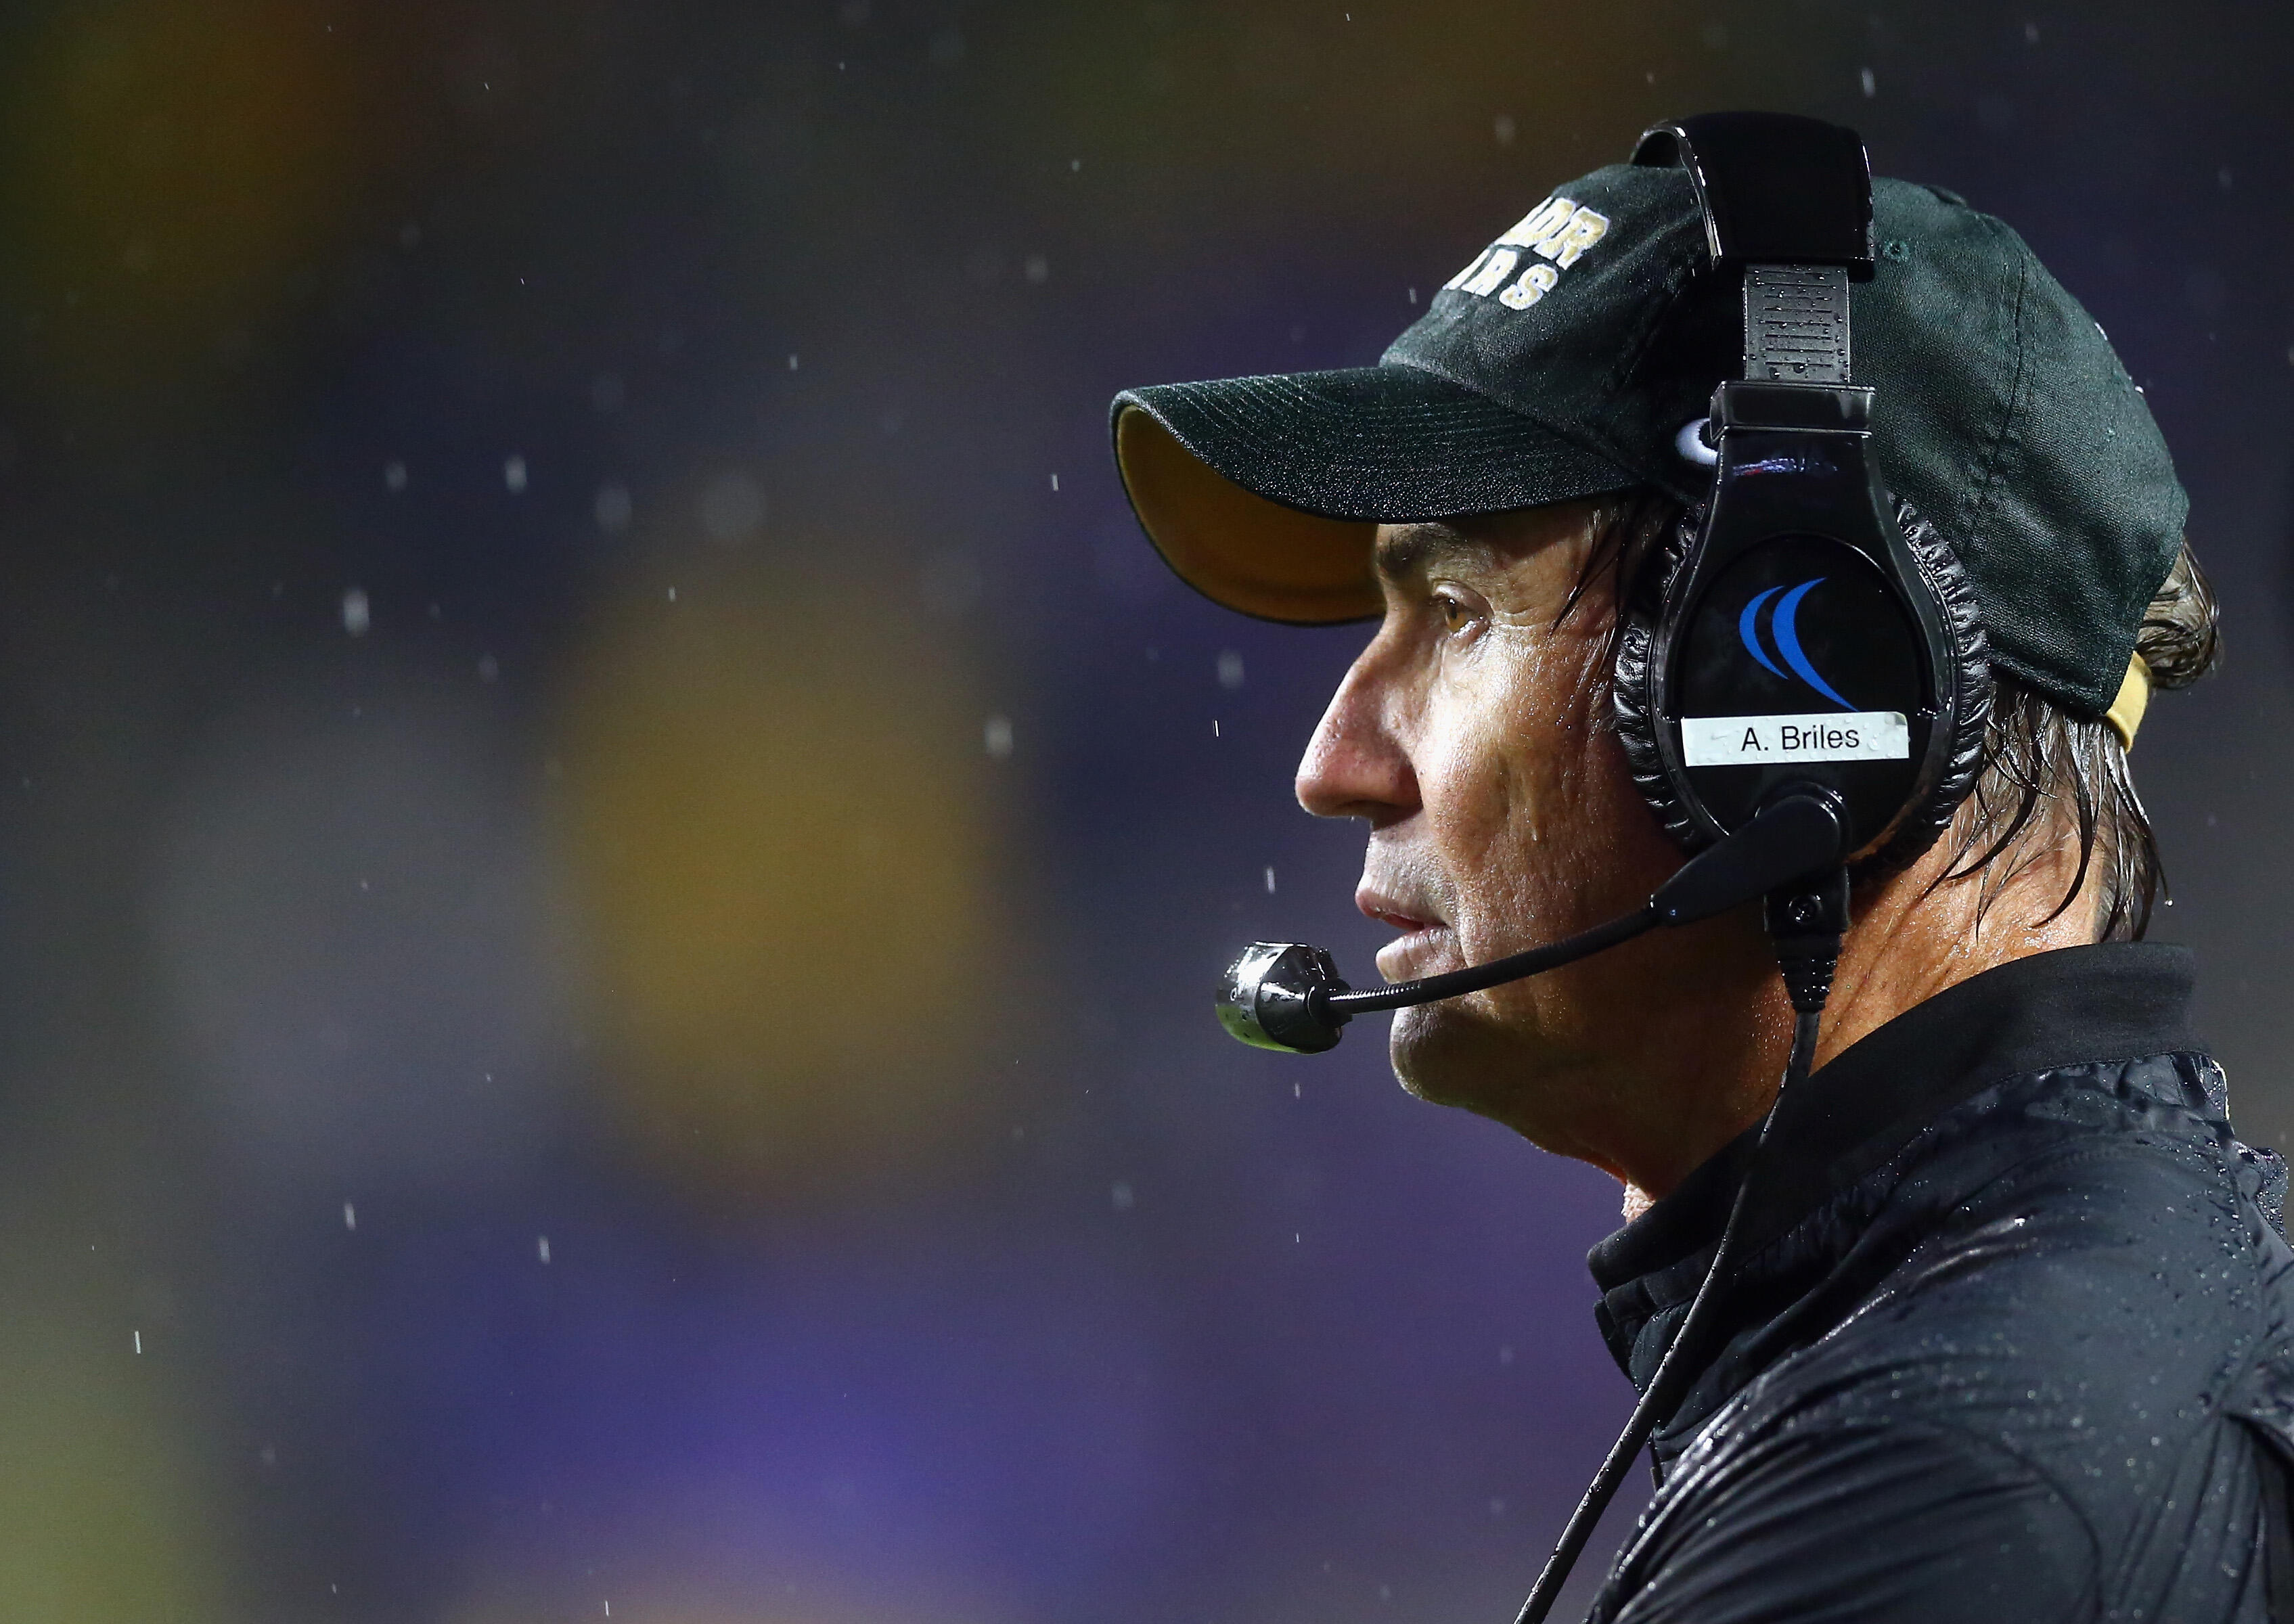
[(1403, 549), (1481, 541)]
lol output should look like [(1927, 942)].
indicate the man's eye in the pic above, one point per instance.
[(1454, 614)]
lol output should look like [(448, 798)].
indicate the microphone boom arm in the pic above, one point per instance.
[(1513, 967), (1289, 996)]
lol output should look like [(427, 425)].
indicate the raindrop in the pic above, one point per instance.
[(514, 472), (1037, 269), (393, 478), (489, 668), (997, 736), (350, 1216), (1871, 86), (2030, 33), (1270, 880), (1120, 1197), (607, 392), (612, 508), (792, 361), (1229, 670), (410, 236), (139, 1340), (356, 615), (1055, 482), (542, 1248), (1502, 127)]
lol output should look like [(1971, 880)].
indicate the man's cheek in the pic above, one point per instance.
[(1480, 787)]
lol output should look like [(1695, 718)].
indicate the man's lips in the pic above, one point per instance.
[(1413, 952), (1388, 910)]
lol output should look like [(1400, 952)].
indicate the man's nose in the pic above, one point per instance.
[(1354, 764)]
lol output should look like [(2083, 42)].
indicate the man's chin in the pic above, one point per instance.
[(1444, 1055)]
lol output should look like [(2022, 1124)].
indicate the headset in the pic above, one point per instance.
[(1801, 684)]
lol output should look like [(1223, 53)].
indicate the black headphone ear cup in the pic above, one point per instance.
[(1970, 674), (1631, 686)]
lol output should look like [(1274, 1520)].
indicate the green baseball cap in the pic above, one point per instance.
[(1566, 359)]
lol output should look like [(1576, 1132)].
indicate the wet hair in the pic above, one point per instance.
[(2049, 779)]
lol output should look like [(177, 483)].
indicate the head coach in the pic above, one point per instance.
[(1722, 538)]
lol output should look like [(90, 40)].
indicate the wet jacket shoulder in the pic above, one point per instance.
[(2014, 1337)]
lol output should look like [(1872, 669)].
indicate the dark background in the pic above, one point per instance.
[(612, 847)]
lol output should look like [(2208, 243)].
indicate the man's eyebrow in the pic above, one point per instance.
[(1403, 548)]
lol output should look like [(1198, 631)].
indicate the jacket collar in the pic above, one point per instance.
[(2075, 1006)]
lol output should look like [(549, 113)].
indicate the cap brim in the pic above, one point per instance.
[(1264, 494)]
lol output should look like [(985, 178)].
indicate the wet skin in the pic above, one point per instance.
[(1472, 736)]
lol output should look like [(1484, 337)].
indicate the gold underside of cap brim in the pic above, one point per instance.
[(2126, 712), (1238, 548)]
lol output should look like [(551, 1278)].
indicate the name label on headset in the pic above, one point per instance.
[(1757, 740)]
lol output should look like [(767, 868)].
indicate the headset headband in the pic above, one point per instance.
[(1787, 201), (1776, 189)]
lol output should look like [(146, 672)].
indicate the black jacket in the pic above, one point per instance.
[(2013, 1339)]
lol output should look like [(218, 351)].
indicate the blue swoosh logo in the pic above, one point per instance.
[(1787, 635), (1749, 630), (1784, 626)]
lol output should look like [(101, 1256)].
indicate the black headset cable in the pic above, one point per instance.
[(1807, 925)]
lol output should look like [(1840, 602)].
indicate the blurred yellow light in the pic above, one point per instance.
[(100, 1518), (167, 162), (780, 828)]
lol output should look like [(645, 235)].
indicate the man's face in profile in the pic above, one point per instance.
[(1472, 736)]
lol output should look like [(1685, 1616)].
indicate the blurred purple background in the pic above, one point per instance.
[(612, 849)]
